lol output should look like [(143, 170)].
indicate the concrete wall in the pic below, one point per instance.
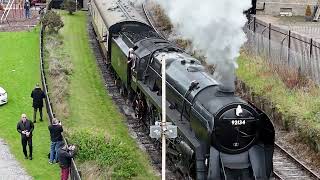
[(273, 7)]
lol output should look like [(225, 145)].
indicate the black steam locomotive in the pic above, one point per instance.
[(220, 136)]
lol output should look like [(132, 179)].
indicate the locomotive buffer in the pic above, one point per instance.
[(164, 129)]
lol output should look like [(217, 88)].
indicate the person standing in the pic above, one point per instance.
[(56, 139), (25, 128), (38, 95), (27, 9), (66, 153)]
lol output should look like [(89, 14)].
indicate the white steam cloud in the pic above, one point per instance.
[(214, 27), (138, 2)]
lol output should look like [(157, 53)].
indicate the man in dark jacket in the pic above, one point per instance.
[(27, 9), (38, 95), (66, 153), (56, 139), (25, 128)]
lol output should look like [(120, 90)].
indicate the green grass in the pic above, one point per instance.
[(300, 107), (19, 72), (89, 104)]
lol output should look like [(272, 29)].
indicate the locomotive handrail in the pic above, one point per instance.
[(240, 118)]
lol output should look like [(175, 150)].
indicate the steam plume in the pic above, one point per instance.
[(214, 27)]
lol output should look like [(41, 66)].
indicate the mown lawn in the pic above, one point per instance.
[(90, 107), (19, 72)]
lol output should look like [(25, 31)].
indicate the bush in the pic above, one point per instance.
[(162, 18), (70, 6), (308, 11), (109, 153), (59, 67), (297, 109), (52, 20)]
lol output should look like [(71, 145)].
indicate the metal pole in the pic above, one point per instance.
[(269, 40), (76, 5), (163, 69), (289, 46), (311, 44), (254, 24)]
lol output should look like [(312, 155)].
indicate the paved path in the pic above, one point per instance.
[(10, 169)]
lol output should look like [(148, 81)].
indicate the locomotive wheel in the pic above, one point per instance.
[(122, 90), (151, 117), (130, 95), (117, 81), (188, 177)]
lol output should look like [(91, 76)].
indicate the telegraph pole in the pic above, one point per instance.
[(163, 124)]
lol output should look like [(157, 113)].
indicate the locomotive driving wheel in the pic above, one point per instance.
[(152, 116)]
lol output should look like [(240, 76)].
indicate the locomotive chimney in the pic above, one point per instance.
[(226, 89), (227, 81)]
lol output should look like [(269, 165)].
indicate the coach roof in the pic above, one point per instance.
[(116, 13)]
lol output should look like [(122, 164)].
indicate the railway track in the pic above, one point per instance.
[(286, 166), (137, 128), (151, 21)]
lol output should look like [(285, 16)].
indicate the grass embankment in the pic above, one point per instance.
[(299, 107), (93, 122), (19, 72)]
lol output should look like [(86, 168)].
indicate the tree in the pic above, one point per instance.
[(308, 11), (70, 6), (52, 20)]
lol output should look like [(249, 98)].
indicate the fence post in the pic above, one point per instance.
[(311, 42), (289, 46), (269, 40), (254, 24)]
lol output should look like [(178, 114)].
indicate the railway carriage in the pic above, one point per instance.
[(220, 136)]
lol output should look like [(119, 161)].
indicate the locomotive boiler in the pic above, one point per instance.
[(220, 136)]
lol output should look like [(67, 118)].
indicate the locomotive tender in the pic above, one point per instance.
[(220, 136)]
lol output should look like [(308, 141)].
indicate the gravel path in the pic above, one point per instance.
[(19, 23), (9, 167)]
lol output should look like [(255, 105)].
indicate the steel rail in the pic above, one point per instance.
[(277, 176), (151, 21), (295, 161)]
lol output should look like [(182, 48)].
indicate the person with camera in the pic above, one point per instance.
[(66, 153), (56, 139), (25, 128)]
